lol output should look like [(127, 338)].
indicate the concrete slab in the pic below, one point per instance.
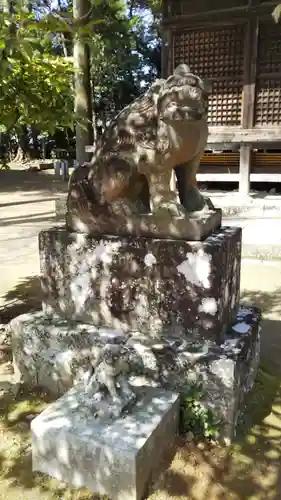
[(261, 238), (118, 457), (256, 205), (22, 217)]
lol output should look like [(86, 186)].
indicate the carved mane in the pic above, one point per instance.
[(136, 123)]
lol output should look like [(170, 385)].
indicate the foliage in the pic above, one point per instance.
[(36, 48), (36, 91), (36, 85), (195, 417), (122, 65), (276, 14)]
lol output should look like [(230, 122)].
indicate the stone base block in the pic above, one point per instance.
[(194, 227), (118, 458), (56, 354), (143, 284), (230, 371)]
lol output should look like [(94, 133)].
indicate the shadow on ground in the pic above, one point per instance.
[(24, 297), (249, 469), (13, 181)]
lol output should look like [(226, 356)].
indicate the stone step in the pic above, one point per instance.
[(120, 457), (56, 354)]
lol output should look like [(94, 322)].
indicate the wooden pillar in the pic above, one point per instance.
[(166, 70), (248, 104), (245, 168), (166, 53)]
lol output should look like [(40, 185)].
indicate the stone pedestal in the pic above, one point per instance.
[(117, 458), (172, 306), (142, 284), (56, 354), (194, 226)]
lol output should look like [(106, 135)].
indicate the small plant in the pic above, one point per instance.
[(194, 416)]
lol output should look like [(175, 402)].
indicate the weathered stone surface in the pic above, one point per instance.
[(118, 458), (141, 284), (230, 371), (126, 189), (195, 227), (56, 354)]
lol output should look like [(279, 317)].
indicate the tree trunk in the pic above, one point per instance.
[(82, 81), (6, 6), (23, 152)]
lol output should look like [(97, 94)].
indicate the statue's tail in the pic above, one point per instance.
[(83, 204), (79, 201)]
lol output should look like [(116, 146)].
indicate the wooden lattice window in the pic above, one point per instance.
[(217, 54), (268, 85), (268, 102)]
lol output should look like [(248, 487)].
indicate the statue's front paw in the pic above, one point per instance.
[(208, 203), (173, 208), (117, 400), (121, 208)]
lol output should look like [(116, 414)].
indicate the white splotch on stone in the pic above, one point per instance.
[(150, 259), (208, 306), (80, 225), (104, 253), (241, 328), (148, 357), (83, 268), (244, 311), (196, 268)]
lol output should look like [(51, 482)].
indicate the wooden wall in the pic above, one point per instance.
[(237, 45)]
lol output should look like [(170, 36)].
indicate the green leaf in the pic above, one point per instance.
[(276, 14)]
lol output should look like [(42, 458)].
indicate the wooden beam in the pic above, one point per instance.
[(226, 137), (236, 177), (223, 14), (231, 135)]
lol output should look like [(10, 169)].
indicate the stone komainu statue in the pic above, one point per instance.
[(129, 175)]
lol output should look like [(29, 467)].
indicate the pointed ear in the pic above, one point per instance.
[(182, 70), (205, 85), (157, 85), (171, 80), (156, 89)]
